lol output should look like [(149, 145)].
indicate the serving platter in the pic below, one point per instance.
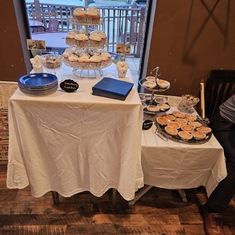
[(161, 130), (156, 88), (160, 102)]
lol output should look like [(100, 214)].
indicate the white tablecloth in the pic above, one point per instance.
[(174, 165), (74, 142)]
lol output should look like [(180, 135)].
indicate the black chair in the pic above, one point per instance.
[(218, 88)]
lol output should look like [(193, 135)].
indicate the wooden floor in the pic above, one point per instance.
[(159, 211)]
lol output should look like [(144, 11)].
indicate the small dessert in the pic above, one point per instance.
[(93, 15), (181, 121), (151, 78), (80, 15), (163, 83), (67, 52), (70, 39), (160, 99), (190, 117), (169, 117), (184, 135), (178, 114), (174, 124), (95, 40), (153, 108), (83, 62), (197, 135), (195, 124), (187, 128), (73, 61), (162, 121), (95, 62), (106, 59), (150, 84), (52, 61), (102, 35), (171, 130), (163, 107), (81, 40), (204, 129)]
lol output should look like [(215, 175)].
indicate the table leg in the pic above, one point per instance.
[(114, 196), (183, 195), (55, 197), (141, 193)]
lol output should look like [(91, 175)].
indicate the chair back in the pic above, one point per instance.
[(219, 87), (53, 25)]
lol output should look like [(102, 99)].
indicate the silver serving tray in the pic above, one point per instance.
[(161, 131)]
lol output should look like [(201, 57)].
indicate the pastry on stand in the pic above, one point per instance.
[(87, 53)]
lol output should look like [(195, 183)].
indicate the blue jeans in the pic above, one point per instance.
[(223, 193)]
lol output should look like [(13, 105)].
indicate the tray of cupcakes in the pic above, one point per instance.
[(183, 128), (153, 104), (86, 59)]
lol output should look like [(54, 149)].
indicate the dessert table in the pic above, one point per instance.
[(75, 142), (173, 165)]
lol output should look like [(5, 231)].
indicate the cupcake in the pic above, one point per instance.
[(73, 61), (81, 40), (93, 15), (80, 15), (70, 39), (106, 59), (68, 52), (95, 40), (83, 62), (103, 37), (95, 62)]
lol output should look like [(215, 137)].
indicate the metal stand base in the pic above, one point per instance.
[(146, 188)]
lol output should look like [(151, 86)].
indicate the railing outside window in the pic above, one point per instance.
[(122, 24)]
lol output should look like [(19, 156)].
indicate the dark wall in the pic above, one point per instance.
[(190, 38), (14, 56)]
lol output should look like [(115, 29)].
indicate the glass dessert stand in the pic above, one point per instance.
[(88, 69)]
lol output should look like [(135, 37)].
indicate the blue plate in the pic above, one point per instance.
[(37, 79)]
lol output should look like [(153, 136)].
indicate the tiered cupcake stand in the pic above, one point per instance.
[(79, 69)]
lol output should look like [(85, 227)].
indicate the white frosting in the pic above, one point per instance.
[(104, 57), (95, 37), (73, 58), (101, 33), (81, 37), (84, 59), (84, 54), (95, 58), (105, 53), (79, 12), (93, 11), (71, 35), (67, 53)]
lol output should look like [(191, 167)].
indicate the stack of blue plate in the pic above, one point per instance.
[(38, 83)]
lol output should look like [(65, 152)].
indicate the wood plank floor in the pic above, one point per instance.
[(159, 211)]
